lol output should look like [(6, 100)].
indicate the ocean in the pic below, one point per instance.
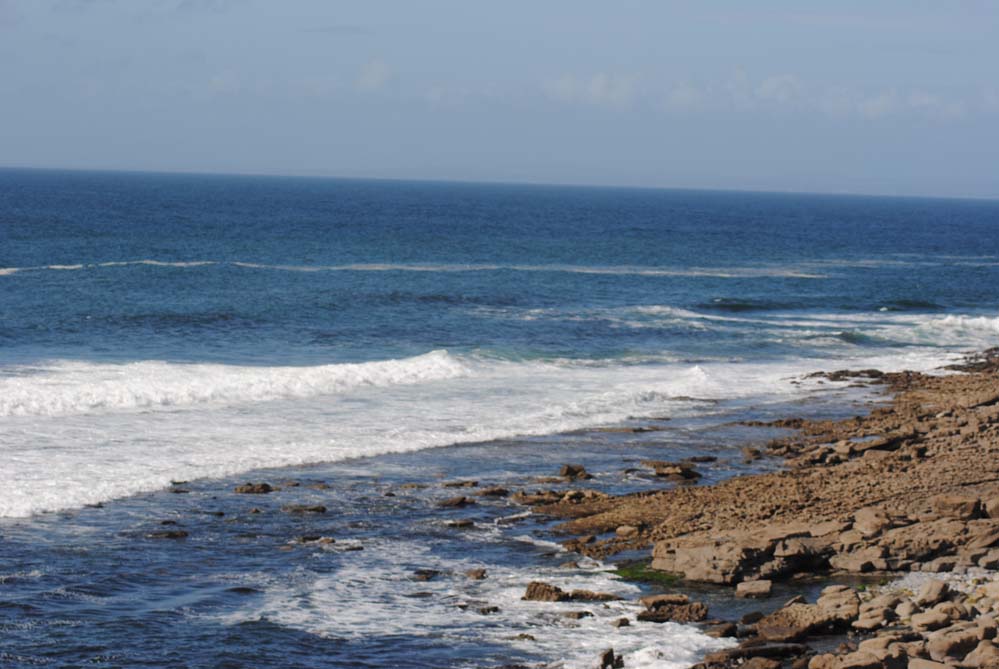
[(358, 335)]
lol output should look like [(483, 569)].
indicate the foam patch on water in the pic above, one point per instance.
[(376, 595)]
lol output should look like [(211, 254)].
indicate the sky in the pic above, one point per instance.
[(888, 97)]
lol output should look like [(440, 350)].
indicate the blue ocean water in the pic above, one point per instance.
[(158, 328)]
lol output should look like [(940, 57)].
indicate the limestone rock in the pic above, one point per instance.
[(754, 589)]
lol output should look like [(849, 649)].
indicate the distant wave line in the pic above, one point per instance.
[(626, 270)]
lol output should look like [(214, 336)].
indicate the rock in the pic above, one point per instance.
[(906, 609), (621, 622), (303, 508), (749, 454), (425, 574), (990, 560), (476, 574), (488, 610), (722, 630), (871, 521), (626, 532), (859, 660), (951, 644), (254, 489), (682, 471), (958, 507), (574, 472), (494, 491), (761, 663), (608, 660), (577, 615), (754, 589), (544, 592), (460, 484), (921, 663), (681, 613), (655, 601), (590, 596), (456, 502), (985, 654), (932, 592), (860, 561), (460, 523), (929, 620), (842, 605), (168, 534), (795, 622), (827, 528)]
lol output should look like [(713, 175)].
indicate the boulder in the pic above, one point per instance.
[(929, 621), (871, 521), (544, 592), (985, 654), (754, 589), (959, 507), (691, 612), (932, 592), (626, 532), (951, 644), (795, 622), (456, 502), (254, 488), (574, 472), (300, 509), (608, 660)]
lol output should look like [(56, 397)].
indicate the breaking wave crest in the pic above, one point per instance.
[(72, 388)]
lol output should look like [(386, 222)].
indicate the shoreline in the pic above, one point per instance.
[(911, 487), (749, 506)]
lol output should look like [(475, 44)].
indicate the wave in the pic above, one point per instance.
[(72, 388), (617, 270)]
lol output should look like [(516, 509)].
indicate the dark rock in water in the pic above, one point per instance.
[(722, 630), (168, 534), (456, 502), (242, 590), (608, 660), (460, 484), (389, 494), (749, 454), (495, 491), (544, 592), (303, 508), (315, 539), (179, 491), (692, 612), (487, 610), (217, 514), (621, 622), (425, 574), (476, 574), (680, 471), (255, 510), (577, 615), (574, 472), (462, 522), (590, 596), (703, 458), (254, 489), (168, 522)]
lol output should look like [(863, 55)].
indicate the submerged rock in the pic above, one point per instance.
[(254, 488)]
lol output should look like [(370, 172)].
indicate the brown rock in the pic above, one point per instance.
[(574, 472), (681, 613), (544, 592), (929, 620), (795, 622), (456, 502), (951, 644), (932, 592), (303, 508), (476, 574), (958, 507), (754, 589), (985, 654), (608, 660), (626, 532), (254, 489)]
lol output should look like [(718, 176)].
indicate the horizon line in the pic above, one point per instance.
[(497, 182)]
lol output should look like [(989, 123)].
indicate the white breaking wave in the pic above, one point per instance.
[(68, 388), (128, 429)]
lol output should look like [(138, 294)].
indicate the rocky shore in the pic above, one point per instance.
[(910, 490)]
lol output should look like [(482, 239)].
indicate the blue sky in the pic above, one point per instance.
[(886, 97)]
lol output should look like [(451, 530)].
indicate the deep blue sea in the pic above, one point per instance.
[(366, 334)]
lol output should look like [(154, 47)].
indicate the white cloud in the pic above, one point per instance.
[(782, 89), (374, 75), (685, 97), (601, 89)]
